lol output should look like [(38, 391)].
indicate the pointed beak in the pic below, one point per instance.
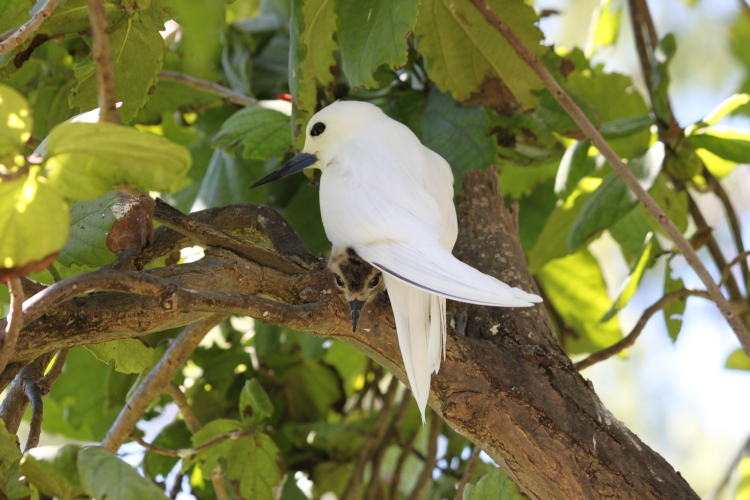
[(296, 164), (356, 306)]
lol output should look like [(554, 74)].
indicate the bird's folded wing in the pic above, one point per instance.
[(434, 269)]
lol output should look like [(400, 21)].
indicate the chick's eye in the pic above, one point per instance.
[(317, 129), (339, 281), (374, 282)]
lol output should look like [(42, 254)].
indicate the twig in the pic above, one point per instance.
[(468, 473), (15, 402), (714, 494), (622, 170), (29, 28), (177, 486), (186, 452), (744, 7), (46, 382), (728, 268), (374, 488), (431, 459), (210, 87), (631, 337), (105, 73), (32, 391), (192, 422), (405, 453), (14, 322), (160, 375), (52, 270)]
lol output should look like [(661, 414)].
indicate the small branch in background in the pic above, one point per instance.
[(14, 322), (618, 166), (430, 460), (23, 33), (225, 93), (374, 489), (52, 270), (469, 472), (159, 376), (220, 485), (405, 454), (728, 268), (45, 384), (192, 422), (744, 7), (714, 494), (186, 452), (32, 391), (631, 337), (177, 486), (105, 73), (15, 402)]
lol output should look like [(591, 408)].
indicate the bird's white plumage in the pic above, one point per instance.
[(391, 199)]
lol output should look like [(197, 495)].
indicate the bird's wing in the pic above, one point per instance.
[(434, 269), (440, 186)]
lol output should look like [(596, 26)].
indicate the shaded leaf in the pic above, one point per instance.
[(371, 33), (674, 310), (674, 203), (493, 486), (309, 390), (349, 362), (175, 436), (630, 232), (255, 406), (85, 160), (630, 285), (303, 213), (261, 132), (53, 470), (227, 181), (257, 464), (518, 181), (103, 475), (732, 146), (209, 457), (9, 452), (129, 355), (72, 16)]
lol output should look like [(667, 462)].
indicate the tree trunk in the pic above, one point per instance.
[(506, 384)]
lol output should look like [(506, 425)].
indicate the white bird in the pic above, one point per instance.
[(389, 199)]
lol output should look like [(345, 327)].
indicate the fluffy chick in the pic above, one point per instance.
[(356, 278)]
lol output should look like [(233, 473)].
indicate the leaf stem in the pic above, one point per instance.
[(225, 93)]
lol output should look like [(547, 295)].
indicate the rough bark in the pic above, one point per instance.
[(506, 384)]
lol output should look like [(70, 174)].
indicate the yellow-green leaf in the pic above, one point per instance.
[(738, 360), (129, 355), (53, 470), (85, 160), (630, 285), (15, 121), (103, 475)]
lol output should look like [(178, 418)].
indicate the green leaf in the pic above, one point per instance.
[(172, 96), (477, 52), (15, 121), (303, 213), (533, 213), (517, 181), (90, 224), (730, 145), (310, 389), (9, 452), (574, 166), (626, 126), (493, 486), (209, 457), (129, 355), (612, 200), (683, 164), (137, 53), (458, 134), (719, 167), (372, 33), (72, 16), (666, 50), (33, 225), (261, 132), (630, 232), (53, 470), (608, 24), (173, 437), (727, 106), (85, 160), (255, 406), (350, 363), (227, 180), (674, 310), (103, 475), (738, 360), (256, 462), (630, 285), (575, 286), (674, 203), (312, 45)]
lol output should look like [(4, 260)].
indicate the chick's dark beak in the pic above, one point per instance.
[(356, 306), (296, 164)]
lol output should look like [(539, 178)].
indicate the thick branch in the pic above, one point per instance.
[(105, 73), (631, 337), (29, 28), (618, 166), (212, 88), (160, 375), (14, 322)]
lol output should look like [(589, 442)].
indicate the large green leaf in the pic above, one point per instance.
[(209, 457), (9, 452), (103, 475), (371, 33), (72, 16), (129, 355), (53, 470), (575, 286), (261, 132), (309, 391), (90, 224), (612, 200), (493, 486), (311, 58), (85, 160), (255, 406), (15, 121), (33, 225), (227, 181), (458, 134), (137, 52), (732, 146), (630, 232), (462, 51), (256, 462)]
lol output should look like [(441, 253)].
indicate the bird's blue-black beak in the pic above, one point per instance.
[(296, 164), (356, 306)]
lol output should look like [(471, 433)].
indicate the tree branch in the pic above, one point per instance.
[(727, 271), (159, 376), (32, 391), (29, 28), (192, 422), (15, 402), (105, 73), (46, 382), (228, 95), (186, 452), (13, 323), (405, 453), (430, 460), (618, 166), (468, 473)]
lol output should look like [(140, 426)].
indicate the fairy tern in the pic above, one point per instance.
[(388, 199), (357, 279)]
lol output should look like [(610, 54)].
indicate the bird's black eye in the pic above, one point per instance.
[(339, 281), (375, 281), (317, 129)]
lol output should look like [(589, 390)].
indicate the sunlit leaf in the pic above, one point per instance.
[(15, 121), (718, 166), (129, 355), (727, 106), (738, 360), (674, 310), (103, 475), (630, 285), (608, 24), (730, 145), (53, 470), (574, 166), (493, 486), (257, 464)]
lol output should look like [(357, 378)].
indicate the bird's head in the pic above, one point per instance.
[(325, 132), (356, 278)]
